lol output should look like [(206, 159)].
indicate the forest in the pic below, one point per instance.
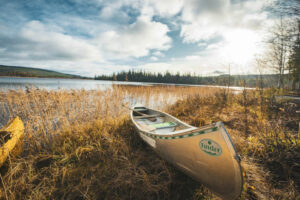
[(269, 80)]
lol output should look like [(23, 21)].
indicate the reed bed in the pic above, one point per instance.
[(45, 111), (81, 144)]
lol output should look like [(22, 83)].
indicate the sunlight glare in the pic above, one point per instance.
[(241, 46)]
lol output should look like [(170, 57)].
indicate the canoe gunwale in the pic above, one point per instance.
[(235, 155), (181, 135), (190, 130)]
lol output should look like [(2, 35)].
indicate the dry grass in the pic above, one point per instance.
[(265, 133), (81, 144)]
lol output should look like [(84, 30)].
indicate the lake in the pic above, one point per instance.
[(59, 83), (7, 83)]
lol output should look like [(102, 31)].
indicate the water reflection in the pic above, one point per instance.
[(54, 84), (8, 83)]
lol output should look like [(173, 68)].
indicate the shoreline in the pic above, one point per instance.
[(52, 81), (45, 77)]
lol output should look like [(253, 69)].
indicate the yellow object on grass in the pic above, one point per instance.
[(12, 136)]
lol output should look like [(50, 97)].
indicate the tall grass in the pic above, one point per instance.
[(81, 144)]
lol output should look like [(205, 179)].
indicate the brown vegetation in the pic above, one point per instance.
[(265, 132), (81, 144)]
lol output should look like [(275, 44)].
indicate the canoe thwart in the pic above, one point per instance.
[(140, 109), (147, 116)]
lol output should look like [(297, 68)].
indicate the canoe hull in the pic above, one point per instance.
[(14, 146), (206, 154)]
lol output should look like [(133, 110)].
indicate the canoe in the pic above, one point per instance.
[(207, 154), (11, 139)]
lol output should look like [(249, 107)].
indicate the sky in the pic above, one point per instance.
[(101, 37)]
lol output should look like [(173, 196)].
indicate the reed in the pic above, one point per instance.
[(81, 144)]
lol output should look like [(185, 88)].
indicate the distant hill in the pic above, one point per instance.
[(33, 72)]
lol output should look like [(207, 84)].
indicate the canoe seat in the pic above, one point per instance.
[(164, 125), (147, 116), (140, 109)]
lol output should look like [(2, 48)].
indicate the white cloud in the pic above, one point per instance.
[(195, 9), (216, 57), (156, 67), (38, 42), (113, 11), (135, 40), (158, 54), (203, 20), (193, 57), (239, 30), (107, 12), (167, 8), (76, 25), (153, 58)]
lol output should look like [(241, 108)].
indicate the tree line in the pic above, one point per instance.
[(193, 79), (284, 44)]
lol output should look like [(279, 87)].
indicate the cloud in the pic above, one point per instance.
[(166, 8), (113, 11), (107, 12), (216, 58), (76, 25), (156, 67), (195, 9), (205, 20), (153, 58), (135, 40), (101, 36), (158, 54), (36, 41)]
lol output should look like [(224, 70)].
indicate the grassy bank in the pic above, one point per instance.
[(81, 144)]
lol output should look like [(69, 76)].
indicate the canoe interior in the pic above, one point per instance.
[(157, 122)]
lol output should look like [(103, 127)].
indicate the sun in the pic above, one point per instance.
[(241, 46)]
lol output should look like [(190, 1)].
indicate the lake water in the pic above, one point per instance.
[(7, 83), (54, 84)]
